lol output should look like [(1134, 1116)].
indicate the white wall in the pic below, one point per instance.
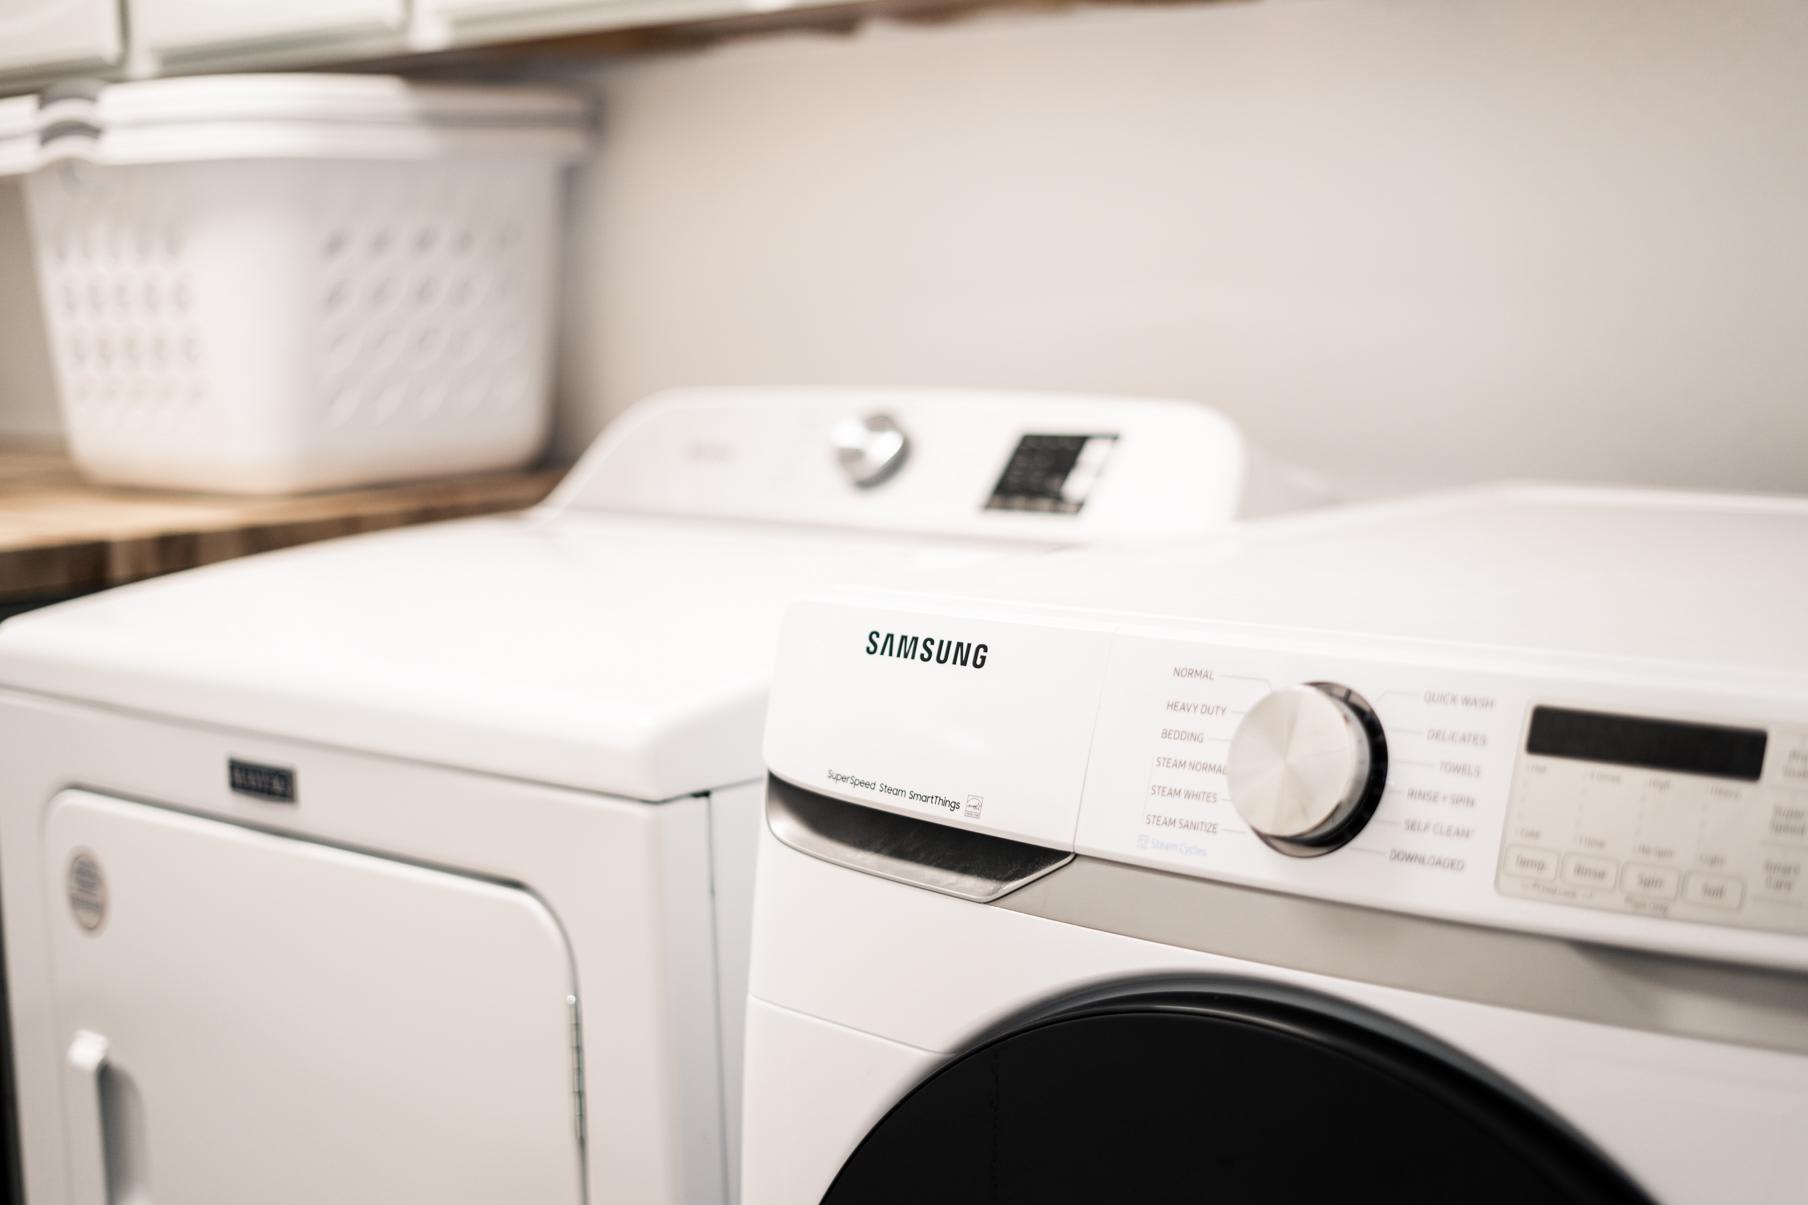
[(1441, 238), (1446, 238)]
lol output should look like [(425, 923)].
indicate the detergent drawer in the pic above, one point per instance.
[(252, 1017)]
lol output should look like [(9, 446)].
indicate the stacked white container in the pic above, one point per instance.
[(264, 284)]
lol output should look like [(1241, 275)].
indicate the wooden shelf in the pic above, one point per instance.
[(61, 536)]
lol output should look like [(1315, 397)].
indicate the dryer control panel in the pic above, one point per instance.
[(1041, 469)]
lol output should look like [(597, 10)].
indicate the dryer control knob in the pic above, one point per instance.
[(870, 449), (1307, 766)]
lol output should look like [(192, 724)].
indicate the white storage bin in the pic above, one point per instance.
[(266, 284)]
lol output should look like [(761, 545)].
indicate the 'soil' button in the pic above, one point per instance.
[(1714, 890)]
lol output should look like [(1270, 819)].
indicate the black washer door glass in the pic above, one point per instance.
[(1215, 1098)]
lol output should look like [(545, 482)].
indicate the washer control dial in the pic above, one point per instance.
[(1307, 766)]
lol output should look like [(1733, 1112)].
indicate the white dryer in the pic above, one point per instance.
[(416, 866), (1445, 850)]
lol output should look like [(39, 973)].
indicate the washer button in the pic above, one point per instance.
[(1586, 871), (1713, 890), (1527, 863), (1659, 882)]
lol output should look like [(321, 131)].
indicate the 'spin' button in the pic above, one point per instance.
[(1657, 882)]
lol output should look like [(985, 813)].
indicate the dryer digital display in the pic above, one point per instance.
[(1051, 473)]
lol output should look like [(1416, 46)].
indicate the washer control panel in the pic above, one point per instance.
[(1703, 821), (1501, 794), (1610, 802), (1174, 723)]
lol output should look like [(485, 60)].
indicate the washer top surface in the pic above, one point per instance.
[(619, 653), (1713, 580)]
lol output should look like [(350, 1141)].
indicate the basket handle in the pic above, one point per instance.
[(81, 88), (67, 110)]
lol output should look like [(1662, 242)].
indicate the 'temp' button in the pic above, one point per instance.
[(1713, 890), (1527, 863)]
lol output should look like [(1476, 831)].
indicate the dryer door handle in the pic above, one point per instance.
[(85, 1064)]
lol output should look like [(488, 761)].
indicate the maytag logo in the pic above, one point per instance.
[(932, 649), (274, 783)]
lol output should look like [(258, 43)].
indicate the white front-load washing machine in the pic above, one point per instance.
[(416, 866), (1444, 850)]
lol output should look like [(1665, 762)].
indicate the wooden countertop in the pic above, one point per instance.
[(61, 536)]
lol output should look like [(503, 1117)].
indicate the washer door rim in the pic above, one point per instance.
[(1532, 1131)]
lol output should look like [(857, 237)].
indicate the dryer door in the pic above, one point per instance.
[(1220, 1097), (251, 1017)]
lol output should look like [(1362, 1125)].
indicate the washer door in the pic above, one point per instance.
[(255, 1018), (1221, 1098)]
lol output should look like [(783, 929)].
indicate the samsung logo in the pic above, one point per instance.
[(925, 648)]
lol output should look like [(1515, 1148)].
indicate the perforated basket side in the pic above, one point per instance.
[(119, 291), (433, 301), (277, 325)]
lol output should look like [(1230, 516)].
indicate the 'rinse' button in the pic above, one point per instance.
[(1586, 871)]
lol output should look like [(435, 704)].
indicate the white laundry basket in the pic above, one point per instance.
[(265, 284)]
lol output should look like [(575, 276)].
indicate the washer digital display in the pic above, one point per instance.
[(1640, 741)]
